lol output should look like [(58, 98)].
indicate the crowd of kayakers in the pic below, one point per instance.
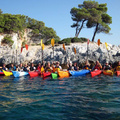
[(55, 66)]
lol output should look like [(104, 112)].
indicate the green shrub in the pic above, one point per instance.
[(23, 43), (7, 40), (75, 39), (49, 41)]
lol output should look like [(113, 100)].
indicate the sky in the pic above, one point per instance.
[(56, 14)]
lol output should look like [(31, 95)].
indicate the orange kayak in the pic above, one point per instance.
[(118, 73), (63, 74), (108, 72)]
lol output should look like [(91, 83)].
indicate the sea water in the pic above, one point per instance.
[(73, 98)]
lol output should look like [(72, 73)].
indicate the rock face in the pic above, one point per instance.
[(34, 54)]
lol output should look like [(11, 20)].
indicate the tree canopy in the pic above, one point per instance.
[(92, 14), (17, 23)]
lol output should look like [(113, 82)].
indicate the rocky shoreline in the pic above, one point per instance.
[(95, 52)]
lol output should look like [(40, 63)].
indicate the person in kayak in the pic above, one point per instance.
[(26, 68), (97, 66), (12, 67), (20, 67), (75, 67), (4, 67), (58, 67), (39, 67), (48, 67), (70, 67), (86, 66), (107, 66), (32, 67), (118, 67)]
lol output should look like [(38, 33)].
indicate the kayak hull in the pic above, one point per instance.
[(79, 73), (54, 75), (63, 74), (1, 73), (118, 73), (7, 73), (46, 74), (96, 72), (19, 74), (108, 72), (34, 74)]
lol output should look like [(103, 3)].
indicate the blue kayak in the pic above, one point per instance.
[(18, 73), (79, 73)]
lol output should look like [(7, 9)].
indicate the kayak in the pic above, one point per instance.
[(7, 73), (96, 72), (54, 75), (34, 73), (108, 72), (118, 73), (1, 73), (63, 74), (19, 73), (79, 73), (46, 74)]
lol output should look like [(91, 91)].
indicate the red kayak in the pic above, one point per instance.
[(1, 73), (46, 74), (96, 72), (34, 73), (118, 73)]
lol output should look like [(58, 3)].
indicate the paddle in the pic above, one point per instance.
[(26, 46), (52, 43), (107, 49), (87, 47), (42, 48), (98, 42), (75, 50), (64, 46)]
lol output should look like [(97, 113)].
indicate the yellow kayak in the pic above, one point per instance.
[(63, 74), (108, 72), (7, 73)]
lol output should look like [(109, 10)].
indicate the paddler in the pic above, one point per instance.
[(48, 68), (107, 66), (97, 66), (70, 67), (32, 67), (58, 67), (12, 67), (86, 66), (4, 67), (118, 66)]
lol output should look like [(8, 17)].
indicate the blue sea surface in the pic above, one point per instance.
[(73, 98)]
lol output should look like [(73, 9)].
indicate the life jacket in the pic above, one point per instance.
[(86, 67), (118, 68), (107, 67), (97, 67), (57, 69)]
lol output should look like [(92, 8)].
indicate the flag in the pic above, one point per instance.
[(21, 49)]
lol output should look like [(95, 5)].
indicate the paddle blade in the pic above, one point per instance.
[(64, 46), (43, 46), (42, 69), (52, 42), (41, 42), (75, 50), (98, 42), (21, 49), (26, 46), (106, 45)]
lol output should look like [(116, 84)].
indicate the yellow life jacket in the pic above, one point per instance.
[(57, 69), (118, 68), (49, 70)]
